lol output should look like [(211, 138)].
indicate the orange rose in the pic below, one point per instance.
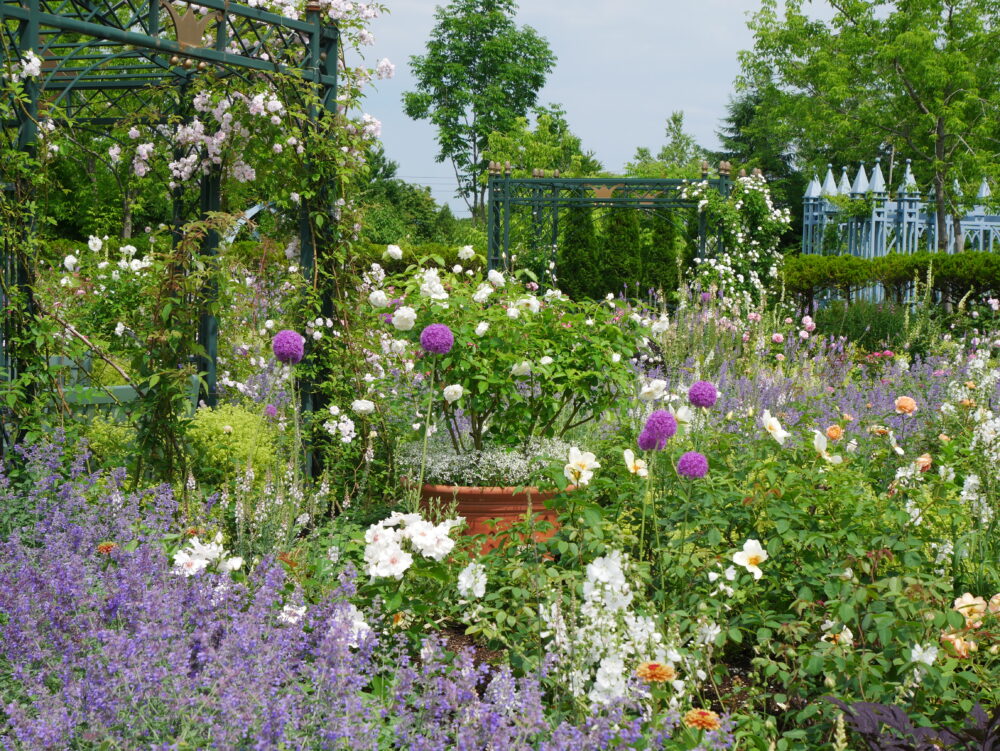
[(703, 719), (105, 548), (847, 417), (906, 405), (656, 672), (970, 384), (923, 462), (834, 432), (968, 403)]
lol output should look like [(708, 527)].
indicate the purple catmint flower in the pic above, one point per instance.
[(437, 339), (702, 394), (661, 425), (692, 465), (288, 346)]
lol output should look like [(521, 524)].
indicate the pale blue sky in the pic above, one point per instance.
[(623, 66)]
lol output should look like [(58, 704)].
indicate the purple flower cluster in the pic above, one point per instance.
[(692, 465), (288, 346), (98, 632), (660, 427), (437, 339), (702, 394)]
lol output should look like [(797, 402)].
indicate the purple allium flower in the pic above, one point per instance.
[(437, 339), (702, 394), (288, 346), (661, 425), (271, 411), (649, 442), (692, 465)]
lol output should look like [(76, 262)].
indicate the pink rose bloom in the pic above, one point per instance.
[(810, 326), (780, 357), (753, 317), (788, 321), (746, 336), (803, 334), (778, 338)]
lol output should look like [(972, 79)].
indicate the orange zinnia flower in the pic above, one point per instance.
[(105, 548), (656, 672), (834, 432), (703, 719)]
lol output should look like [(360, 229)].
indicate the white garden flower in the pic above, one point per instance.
[(684, 414), (751, 557), (581, 466), (522, 368), (482, 293), (119, 329), (926, 655), (378, 299), (496, 278), (231, 564), (404, 318), (653, 390), (772, 426), (394, 252), (95, 243), (820, 444), (513, 312), (546, 360), (482, 328), (453, 393), (466, 253), (70, 262), (291, 614), (363, 406), (529, 303), (472, 580), (635, 466)]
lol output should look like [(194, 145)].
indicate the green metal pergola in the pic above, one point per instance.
[(545, 195), (104, 60)]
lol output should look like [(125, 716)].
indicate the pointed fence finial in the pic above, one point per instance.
[(909, 182), (844, 186), (860, 186), (877, 184), (830, 183), (813, 190)]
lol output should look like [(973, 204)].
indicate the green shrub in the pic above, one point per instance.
[(228, 439), (111, 442)]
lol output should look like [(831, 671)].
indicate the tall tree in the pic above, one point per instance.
[(680, 156), (550, 145), (919, 78), (480, 74)]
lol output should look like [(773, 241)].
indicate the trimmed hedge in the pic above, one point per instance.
[(953, 275)]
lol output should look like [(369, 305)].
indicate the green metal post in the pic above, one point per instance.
[(505, 252), (208, 324)]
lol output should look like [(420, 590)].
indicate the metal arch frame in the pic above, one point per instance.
[(545, 196), (86, 47)]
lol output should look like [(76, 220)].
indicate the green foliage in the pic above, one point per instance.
[(881, 79), (481, 72), (228, 440), (111, 442), (550, 146), (681, 156)]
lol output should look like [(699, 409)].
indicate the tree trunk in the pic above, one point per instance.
[(940, 175)]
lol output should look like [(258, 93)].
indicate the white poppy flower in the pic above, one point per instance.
[(95, 243), (635, 466), (70, 263), (772, 426), (751, 557), (820, 444), (581, 466)]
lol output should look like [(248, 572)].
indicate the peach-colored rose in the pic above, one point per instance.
[(994, 606), (834, 432), (923, 462), (906, 405), (944, 438), (959, 645), (972, 608)]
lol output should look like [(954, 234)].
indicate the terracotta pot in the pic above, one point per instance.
[(480, 504)]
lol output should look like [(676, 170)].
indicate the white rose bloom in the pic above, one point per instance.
[(363, 406), (394, 252), (772, 426), (553, 294), (513, 312), (496, 278), (268, 324), (546, 360), (472, 580), (523, 368), (231, 564), (95, 243), (482, 328), (453, 393), (530, 303), (751, 557), (482, 293), (70, 262), (378, 299), (466, 253), (404, 318)]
